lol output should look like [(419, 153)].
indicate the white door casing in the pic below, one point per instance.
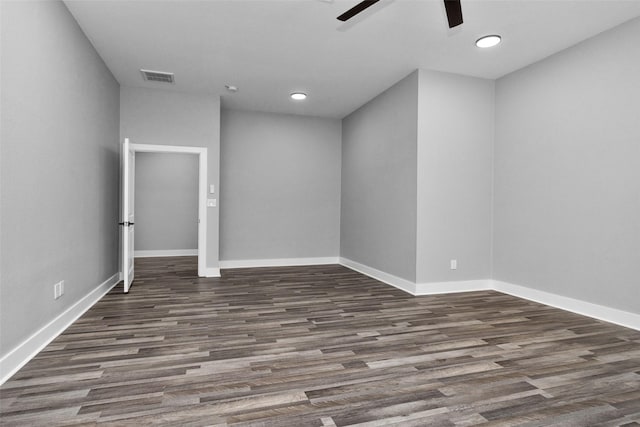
[(201, 152)]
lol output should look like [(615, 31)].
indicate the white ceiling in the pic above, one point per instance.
[(270, 48)]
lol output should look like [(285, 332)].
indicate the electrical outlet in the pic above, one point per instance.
[(454, 264), (58, 289)]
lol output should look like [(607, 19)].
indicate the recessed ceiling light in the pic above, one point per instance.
[(488, 41), (298, 96)]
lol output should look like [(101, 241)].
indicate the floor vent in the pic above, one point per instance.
[(157, 76)]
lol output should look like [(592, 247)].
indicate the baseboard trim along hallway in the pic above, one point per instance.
[(212, 272), (277, 262), (165, 253), (24, 352)]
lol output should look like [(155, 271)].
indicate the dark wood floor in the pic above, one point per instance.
[(323, 346)]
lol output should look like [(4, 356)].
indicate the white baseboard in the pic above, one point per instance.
[(277, 262), (389, 279), (24, 352), (431, 288), (165, 253), (601, 312), (212, 272), (596, 311)]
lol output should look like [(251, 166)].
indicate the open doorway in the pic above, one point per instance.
[(166, 192), (128, 214)]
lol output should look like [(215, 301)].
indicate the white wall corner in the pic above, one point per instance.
[(431, 288), (600, 312), (29, 348), (278, 262), (389, 279)]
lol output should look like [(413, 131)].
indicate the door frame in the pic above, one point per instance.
[(202, 191)]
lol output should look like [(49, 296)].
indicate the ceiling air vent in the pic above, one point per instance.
[(157, 76)]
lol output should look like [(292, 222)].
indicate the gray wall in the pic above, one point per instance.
[(59, 167), (171, 118), (379, 181), (455, 141), (166, 209), (567, 172), (279, 186)]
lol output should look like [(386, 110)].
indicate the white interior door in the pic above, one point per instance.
[(127, 224)]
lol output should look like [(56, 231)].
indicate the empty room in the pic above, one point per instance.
[(320, 212)]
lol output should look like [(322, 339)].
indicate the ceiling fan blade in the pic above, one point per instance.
[(357, 9), (454, 12)]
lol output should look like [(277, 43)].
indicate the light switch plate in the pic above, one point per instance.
[(58, 289), (212, 189)]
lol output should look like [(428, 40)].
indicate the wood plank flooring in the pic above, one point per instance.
[(323, 346)]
